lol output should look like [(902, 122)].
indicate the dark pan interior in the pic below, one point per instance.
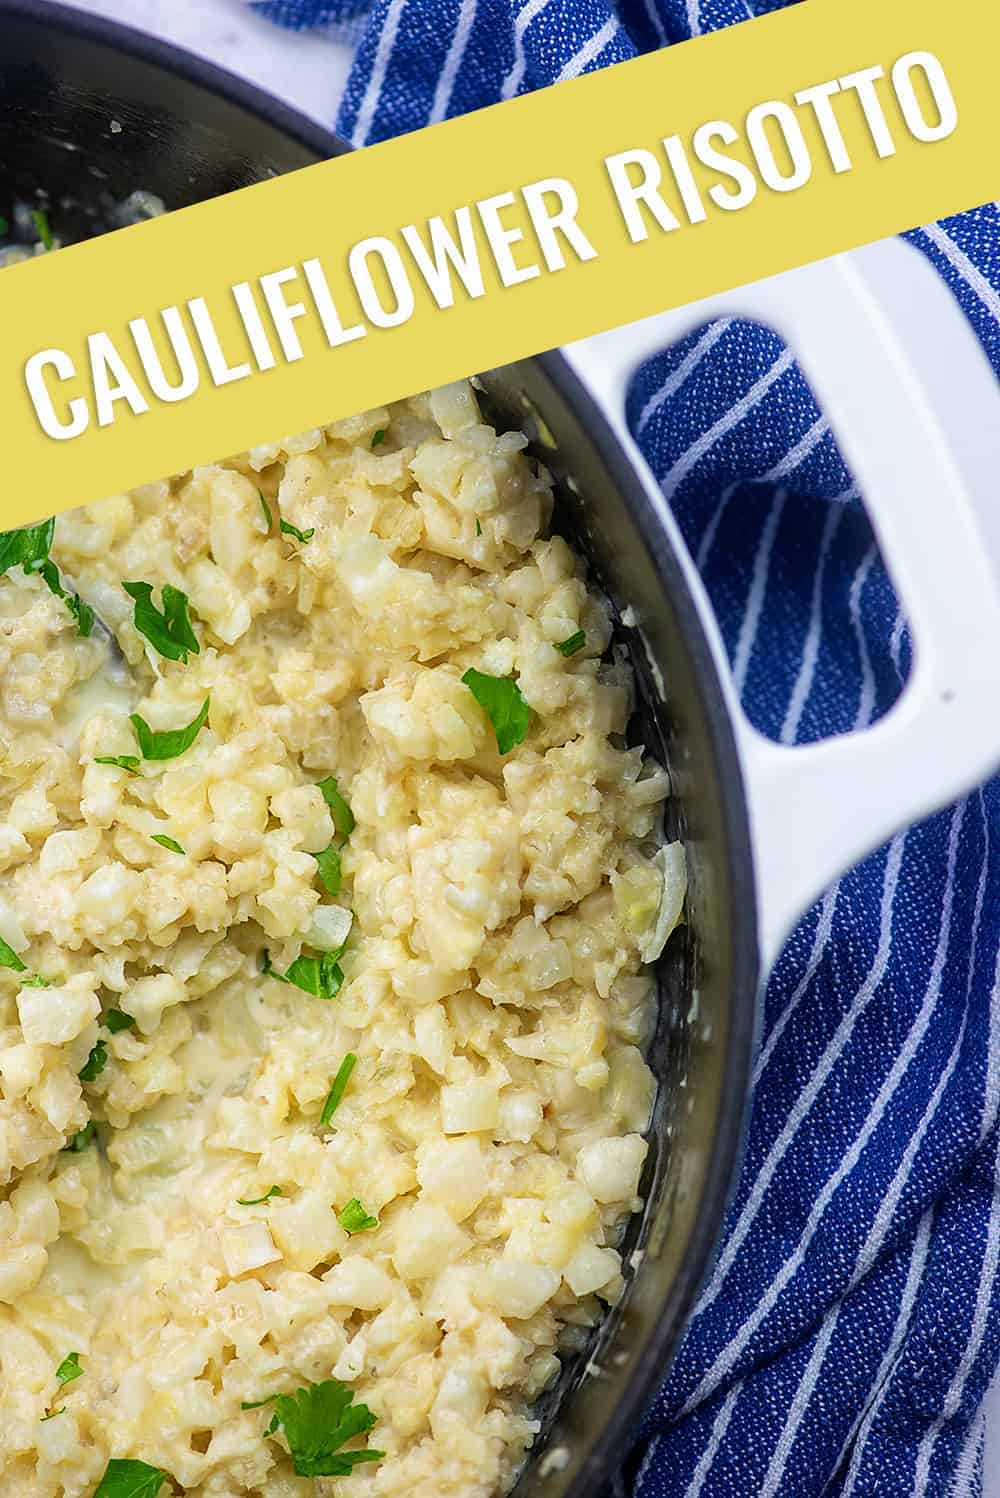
[(89, 113)]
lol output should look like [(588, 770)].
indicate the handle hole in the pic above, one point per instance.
[(816, 639)]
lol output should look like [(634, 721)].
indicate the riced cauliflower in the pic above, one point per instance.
[(321, 1019)]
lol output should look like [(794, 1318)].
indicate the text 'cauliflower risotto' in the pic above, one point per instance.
[(322, 998)]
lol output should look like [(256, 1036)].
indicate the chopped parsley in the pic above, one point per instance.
[(285, 527), (129, 762), (171, 742), (500, 697), (572, 644), (342, 813), (257, 1404), (479, 529), (69, 1369), (40, 219), (321, 976), (81, 1140), (288, 529), (317, 1422), (328, 863), (116, 1021), (169, 632), (4, 224), (329, 860), (9, 958), (126, 1478), (167, 842), (82, 613), (256, 1201), (30, 548), (96, 1062), (354, 1219), (339, 1086), (379, 436)]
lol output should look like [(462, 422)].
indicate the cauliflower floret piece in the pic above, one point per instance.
[(147, 998), (610, 1168), (359, 1283), (515, 1289), (470, 1107), (430, 715), (20, 1069), (591, 1268), (452, 1173), (21, 1267), (426, 1239), (247, 1248), (303, 811), (58, 1014)]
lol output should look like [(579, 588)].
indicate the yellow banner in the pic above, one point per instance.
[(480, 241)]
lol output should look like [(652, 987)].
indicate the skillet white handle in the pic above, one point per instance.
[(915, 408)]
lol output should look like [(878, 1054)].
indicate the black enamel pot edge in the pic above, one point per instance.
[(587, 1433)]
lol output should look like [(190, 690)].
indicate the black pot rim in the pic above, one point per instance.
[(730, 1126), (621, 1428), (182, 64)]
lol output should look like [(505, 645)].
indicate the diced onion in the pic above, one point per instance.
[(331, 926), (673, 872)]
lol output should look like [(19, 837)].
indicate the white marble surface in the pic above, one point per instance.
[(309, 72)]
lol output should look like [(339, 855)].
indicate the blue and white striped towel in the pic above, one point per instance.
[(847, 1335)]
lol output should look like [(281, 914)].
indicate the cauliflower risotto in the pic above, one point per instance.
[(329, 882)]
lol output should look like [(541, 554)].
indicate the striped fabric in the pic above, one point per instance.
[(845, 1339)]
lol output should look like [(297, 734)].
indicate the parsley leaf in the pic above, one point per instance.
[(81, 1140), (329, 868), (40, 219), (506, 709), (284, 526), (338, 1087), (116, 1021), (27, 546), (255, 1201), (342, 813), (317, 1422), (30, 548), (288, 529), (572, 644), (256, 1404), (96, 1062), (354, 1219), (69, 1369), (322, 976), (379, 436), (82, 613), (167, 842), (9, 958), (129, 762), (172, 741), (170, 632), (126, 1478)]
